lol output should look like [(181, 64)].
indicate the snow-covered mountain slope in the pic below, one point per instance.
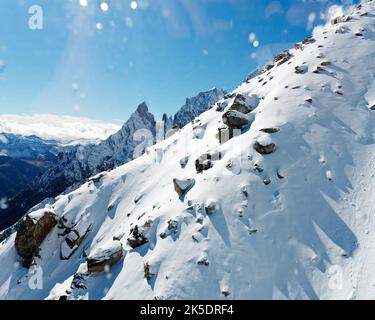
[(64, 129), (282, 210), (76, 164)]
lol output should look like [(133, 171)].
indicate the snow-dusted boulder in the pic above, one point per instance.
[(32, 231), (239, 104), (184, 161), (211, 206), (182, 186), (172, 229), (137, 237), (205, 161), (235, 119), (301, 69), (265, 145), (74, 239), (105, 256)]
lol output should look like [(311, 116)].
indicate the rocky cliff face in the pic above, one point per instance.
[(194, 106)]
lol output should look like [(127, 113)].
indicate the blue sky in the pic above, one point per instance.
[(102, 64)]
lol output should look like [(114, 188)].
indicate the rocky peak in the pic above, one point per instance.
[(194, 106)]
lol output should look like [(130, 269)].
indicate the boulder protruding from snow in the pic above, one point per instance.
[(182, 186), (235, 119), (206, 161), (265, 145), (74, 239), (211, 206), (32, 231), (136, 237), (104, 257), (301, 69), (239, 104)]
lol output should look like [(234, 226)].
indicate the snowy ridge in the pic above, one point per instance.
[(283, 210)]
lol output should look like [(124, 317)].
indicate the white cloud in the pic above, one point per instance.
[(65, 129)]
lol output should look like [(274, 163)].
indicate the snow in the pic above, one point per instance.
[(301, 236), (39, 214), (265, 140), (65, 129)]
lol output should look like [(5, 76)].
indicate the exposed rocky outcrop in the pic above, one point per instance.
[(32, 231), (264, 145), (136, 237), (235, 119), (182, 186), (105, 257), (74, 239), (239, 104)]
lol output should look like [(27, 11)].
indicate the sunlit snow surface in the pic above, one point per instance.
[(306, 235)]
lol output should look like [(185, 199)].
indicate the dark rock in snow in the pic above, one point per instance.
[(264, 146), (105, 257), (205, 161), (182, 186), (270, 130), (147, 271), (211, 207), (267, 181), (74, 239), (318, 69), (235, 119), (203, 262), (282, 58), (136, 238), (300, 69), (184, 161), (32, 231), (308, 40), (239, 104)]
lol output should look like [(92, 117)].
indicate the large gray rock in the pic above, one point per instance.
[(182, 186), (239, 104), (32, 231), (136, 238), (105, 257), (264, 145), (74, 239), (235, 119)]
